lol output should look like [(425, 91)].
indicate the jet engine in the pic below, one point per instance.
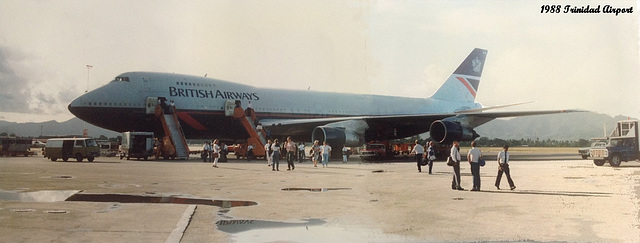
[(448, 131), (338, 134)]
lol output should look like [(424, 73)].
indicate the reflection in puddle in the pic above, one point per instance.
[(315, 189), (236, 226), (39, 196), (313, 230), (122, 198)]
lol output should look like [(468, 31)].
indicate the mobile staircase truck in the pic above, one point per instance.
[(257, 137), (174, 144), (622, 145)]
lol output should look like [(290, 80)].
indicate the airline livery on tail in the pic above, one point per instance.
[(127, 104)]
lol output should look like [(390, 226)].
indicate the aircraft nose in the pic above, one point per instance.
[(74, 106)]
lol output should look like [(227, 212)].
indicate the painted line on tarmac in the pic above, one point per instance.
[(178, 232)]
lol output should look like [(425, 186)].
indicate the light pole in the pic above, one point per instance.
[(88, 69), (85, 131)]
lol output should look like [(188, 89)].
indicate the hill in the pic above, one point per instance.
[(571, 126), (73, 126)]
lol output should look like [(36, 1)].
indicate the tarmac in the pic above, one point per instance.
[(112, 200)]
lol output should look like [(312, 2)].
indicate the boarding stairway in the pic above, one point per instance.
[(256, 138), (174, 136)]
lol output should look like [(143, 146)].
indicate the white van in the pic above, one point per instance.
[(66, 148)]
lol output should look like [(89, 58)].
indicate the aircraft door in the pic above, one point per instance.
[(151, 105), (229, 107)]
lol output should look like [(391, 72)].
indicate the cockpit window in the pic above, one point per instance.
[(120, 79)]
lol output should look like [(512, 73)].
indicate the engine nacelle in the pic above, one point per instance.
[(336, 136), (447, 132)]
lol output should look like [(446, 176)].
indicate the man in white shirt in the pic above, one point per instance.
[(474, 157), (455, 156), (326, 153), (503, 166), (301, 152), (418, 150), (268, 152), (292, 149)]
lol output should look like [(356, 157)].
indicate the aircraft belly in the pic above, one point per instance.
[(210, 125)]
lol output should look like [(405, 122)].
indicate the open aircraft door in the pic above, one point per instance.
[(151, 105), (229, 106)]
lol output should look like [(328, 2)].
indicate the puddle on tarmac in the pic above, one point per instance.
[(234, 226), (74, 195), (315, 189), (38, 196), (307, 230), (123, 198)]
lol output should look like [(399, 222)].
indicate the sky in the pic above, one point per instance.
[(397, 48)]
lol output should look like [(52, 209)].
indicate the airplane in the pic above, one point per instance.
[(450, 114)]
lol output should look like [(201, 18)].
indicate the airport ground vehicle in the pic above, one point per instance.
[(66, 148), (137, 145), (376, 151), (622, 145), (108, 149), (385, 150), (596, 143), (15, 146)]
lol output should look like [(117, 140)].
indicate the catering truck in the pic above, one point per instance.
[(137, 145), (622, 145)]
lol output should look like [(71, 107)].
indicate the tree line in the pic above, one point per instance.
[(497, 142)]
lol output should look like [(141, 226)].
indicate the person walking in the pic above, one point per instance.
[(292, 149), (474, 157), (345, 154), (315, 153), (216, 152), (301, 152), (275, 147), (418, 150), (269, 152), (455, 156), (503, 167), (431, 155), (326, 152)]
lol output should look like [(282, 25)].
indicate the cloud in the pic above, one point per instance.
[(15, 89)]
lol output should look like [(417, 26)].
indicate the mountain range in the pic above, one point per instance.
[(571, 126)]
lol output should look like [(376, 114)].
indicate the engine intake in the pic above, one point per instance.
[(336, 136), (447, 132)]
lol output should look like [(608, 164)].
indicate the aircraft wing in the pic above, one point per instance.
[(396, 126)]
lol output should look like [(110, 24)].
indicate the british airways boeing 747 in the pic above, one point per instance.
[(127, 104)]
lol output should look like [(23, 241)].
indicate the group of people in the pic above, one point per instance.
[(429, 157), (291, 151), (213, 151), (473, 157)]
